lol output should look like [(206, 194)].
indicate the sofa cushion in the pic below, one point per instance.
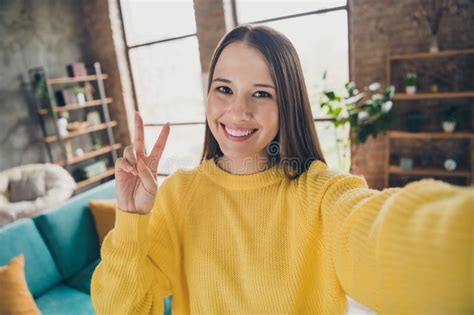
[(82, 280), (103, 212), (15, 297), (22, 237), (28, 187), (69, 230), (63, 299)]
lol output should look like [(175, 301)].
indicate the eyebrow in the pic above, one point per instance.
[(256, 84)]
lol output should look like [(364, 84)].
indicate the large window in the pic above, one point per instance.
[(319, 31), (166, 72)]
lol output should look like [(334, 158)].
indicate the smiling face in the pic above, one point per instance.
[(242, 108)]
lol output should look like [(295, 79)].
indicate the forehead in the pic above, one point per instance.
[(240, 60)]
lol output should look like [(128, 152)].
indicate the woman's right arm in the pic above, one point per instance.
[(138, 253)]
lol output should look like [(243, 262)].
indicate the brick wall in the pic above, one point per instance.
[(382, 28), (210, 27), (107, 46)]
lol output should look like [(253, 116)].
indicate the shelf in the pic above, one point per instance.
[(73, 134), (70, 80), (110, 171), (90, 154), (76, 106), (444, 53), (427, 96), (393, 134), (428, 172), (423, 97)]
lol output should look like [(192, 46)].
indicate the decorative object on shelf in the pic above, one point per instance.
[(62, 124), (96, 142), (433, 11), (77, 125), (88, 91), (450, 117), (368, 113), (406, 163), (451, 163), (93, 118), (80, 94), (410, 83), (76, 69), (89, 170), (79, 152), (434, 88), (74, 95), (414, 120)]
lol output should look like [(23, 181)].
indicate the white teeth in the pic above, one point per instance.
[(238, 133)]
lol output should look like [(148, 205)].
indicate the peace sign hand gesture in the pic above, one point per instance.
[(135, 173)]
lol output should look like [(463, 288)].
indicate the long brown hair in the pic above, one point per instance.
[(296, 144)]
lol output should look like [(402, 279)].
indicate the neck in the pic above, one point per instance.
[(243, 166)]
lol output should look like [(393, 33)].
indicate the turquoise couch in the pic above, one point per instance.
[(61, 249)]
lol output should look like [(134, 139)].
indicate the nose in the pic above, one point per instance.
[(240, 110)]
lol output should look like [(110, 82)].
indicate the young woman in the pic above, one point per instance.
[(263, 226)]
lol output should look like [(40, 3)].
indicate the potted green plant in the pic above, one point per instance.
[(450, 118), (79, 91), (369, 112), (40, 89), (410, 83)]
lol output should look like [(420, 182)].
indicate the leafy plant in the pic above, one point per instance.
[(369, 112), (41, 91), (452, 114), (410, 79), (78, 89)]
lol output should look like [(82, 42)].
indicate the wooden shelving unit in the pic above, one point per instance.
[(77, 133), (71, 80), (69, 160), (394, 134), (77, 106), (90, 154), (428, 96), (429, 172), (86, 182), (425, 54)]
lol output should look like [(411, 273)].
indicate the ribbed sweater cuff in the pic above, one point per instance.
[(130, 227)]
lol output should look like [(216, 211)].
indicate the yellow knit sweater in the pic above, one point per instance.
[(262, 244)]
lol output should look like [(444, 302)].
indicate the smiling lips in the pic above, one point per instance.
[(236, 133)]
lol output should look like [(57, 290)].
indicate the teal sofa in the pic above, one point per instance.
[(61, 249)]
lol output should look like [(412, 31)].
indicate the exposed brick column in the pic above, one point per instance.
[(210, 26), (106, 44)]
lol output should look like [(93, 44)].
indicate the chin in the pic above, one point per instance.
[(234, 154)]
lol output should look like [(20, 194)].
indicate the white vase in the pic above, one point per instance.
[(410, 89), (81, 98), (449, 126), (62, 126), (434, 48)]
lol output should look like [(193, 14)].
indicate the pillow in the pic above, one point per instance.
[(28, 187), (15, 297), (103, 212)]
